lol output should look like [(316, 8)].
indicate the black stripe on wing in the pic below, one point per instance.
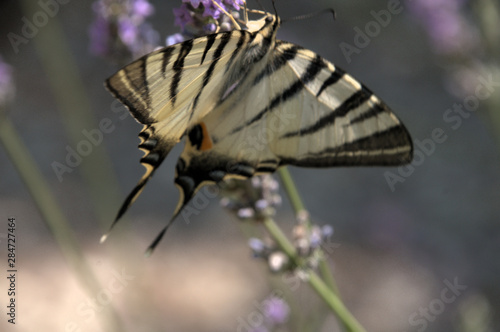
[(239, 44), (375, 110), (297, 86), (390, 147), (167, 54), (334, 78), (224, 40), (210, 41), (178, 67), (129, 86), (277, 62), (351, 103)]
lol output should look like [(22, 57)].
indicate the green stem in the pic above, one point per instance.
[(335, 303), (298, 206), (49, 209), (291, 190), (327, 276), (64, 79), (327, 294), (281, 239)]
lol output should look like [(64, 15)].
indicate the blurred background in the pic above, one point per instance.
[(415, 248)]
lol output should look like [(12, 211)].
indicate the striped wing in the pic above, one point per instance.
[(334, 120), (249, 104), (170, 90), (298, 109)]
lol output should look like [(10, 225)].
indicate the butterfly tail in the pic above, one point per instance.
[(188, 187), (155, 152)]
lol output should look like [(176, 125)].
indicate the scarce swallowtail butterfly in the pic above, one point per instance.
[(247, 104)]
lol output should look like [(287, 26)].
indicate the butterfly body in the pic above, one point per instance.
[(247, 104)]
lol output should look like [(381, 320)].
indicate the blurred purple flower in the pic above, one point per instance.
[(214, 11), (174, 39), (200, 17), (257, 245), (120, 30), (99, 36), (182, 16), (143, 8), (196, 3), (276, 310), (210, 28), (255, 198), (449, 30), (6, 85)]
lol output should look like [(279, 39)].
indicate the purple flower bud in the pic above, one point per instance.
[(99, 37), (449, 30), (174, 39), (128, 31), (277, 310), (315, 237), (143, 8), (210, 28), (182, 16), (327, 231), (245, 213), (195, 3), (120, 31), (256, 245), (261, 204)]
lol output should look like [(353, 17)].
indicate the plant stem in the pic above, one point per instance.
[(51, 213), (298, 206), (335, 303), (74, 106), (326, 293), (291, 190)]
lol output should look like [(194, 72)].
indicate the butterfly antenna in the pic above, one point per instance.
[(260, 5), (246, 12), (274, 7), (311, 15)]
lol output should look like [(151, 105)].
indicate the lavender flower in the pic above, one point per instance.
[(201, 17), (257, 246), (183, 16), (6, 85), (174, 39), (276, 310), (256, 198), (448, 29), (120, 30)]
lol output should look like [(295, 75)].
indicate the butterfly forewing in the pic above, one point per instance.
[(338, 120)]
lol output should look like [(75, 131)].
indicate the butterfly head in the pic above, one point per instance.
[(267, 22)]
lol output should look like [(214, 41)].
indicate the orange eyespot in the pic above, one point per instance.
[(206, 143)]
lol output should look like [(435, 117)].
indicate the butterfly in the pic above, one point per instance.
[(246, 104)]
